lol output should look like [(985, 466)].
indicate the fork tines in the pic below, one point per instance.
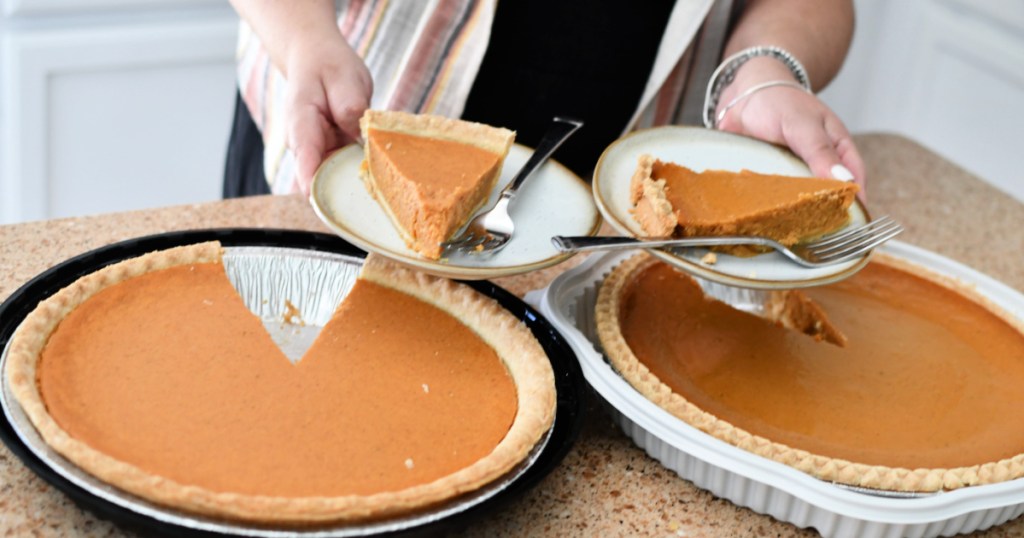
[(477, 240), (855, 241)]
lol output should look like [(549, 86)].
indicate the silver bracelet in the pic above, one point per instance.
[(751, 91), (726, 73)]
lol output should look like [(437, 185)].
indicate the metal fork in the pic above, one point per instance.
[(829, 250), (491, 229)]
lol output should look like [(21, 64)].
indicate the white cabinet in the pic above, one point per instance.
[(946, 73), (112, 105)]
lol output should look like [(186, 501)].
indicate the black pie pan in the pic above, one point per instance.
[(568, 379)]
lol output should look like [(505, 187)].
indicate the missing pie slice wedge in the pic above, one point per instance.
[(430, 173), (152, 375), (670, 200)]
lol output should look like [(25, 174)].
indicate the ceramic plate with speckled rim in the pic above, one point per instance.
[(553, 202), (703, 149)]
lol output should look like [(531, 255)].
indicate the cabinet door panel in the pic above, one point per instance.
[(968, 100), (118, 118), (16, 8)]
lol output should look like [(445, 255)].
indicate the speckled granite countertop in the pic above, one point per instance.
[(606, 486)]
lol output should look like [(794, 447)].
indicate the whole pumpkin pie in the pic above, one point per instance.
[(671, 200), (430, 173), (152, 375), (925, 396)]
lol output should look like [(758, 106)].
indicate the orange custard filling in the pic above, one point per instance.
[(716, 196), (171, 373), (441, 168), (672, 200), (929, 378)]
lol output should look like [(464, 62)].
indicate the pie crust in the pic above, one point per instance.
[(426, 214), (513, 342), (793, 309), (624, 361)]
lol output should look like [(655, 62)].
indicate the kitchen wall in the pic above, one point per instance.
[(110, 105), (947, 73)]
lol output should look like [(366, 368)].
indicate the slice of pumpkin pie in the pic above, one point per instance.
[(671, 200), (430, 173)]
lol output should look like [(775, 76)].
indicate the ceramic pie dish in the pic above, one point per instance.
[(738, 472)]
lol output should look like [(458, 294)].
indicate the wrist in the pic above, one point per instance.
[(755, 71), (765, 61)]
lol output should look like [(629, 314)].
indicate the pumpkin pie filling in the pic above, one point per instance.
[(394, 404), (673, 200), (929, 378), (169, 374)]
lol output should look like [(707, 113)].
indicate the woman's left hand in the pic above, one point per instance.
[(793, 118)]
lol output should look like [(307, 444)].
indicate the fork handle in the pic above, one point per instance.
[(587, 242), (559, 131)]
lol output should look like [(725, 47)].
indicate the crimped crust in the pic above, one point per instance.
[(822, 467), (519, 350)]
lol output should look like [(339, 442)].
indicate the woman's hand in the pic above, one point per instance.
[(793, 118), (329, 88)]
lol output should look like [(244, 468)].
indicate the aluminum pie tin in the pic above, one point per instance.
[(763, 485), (294, 291)]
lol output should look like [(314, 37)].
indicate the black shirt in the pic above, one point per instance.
[(587, 59)]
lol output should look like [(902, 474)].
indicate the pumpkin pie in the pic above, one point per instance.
[(925, 396), (153, 376), (671, 200), (430, 173)]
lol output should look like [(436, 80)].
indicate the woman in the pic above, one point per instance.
[(307, 73)]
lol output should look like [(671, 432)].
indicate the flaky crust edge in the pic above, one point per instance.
[(651, 208), (489, 138), (515, 344), (822, 467)]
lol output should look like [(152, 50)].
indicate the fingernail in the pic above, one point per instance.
[(841, 173)]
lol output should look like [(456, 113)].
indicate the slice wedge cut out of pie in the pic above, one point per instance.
[(924, 396), (430, 173), (152, 375), (671, 200)]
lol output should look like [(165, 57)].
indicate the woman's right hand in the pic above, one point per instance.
[(329, 88)]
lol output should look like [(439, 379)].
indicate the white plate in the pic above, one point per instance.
[(552, 202), (702, 149), (767, 486)]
